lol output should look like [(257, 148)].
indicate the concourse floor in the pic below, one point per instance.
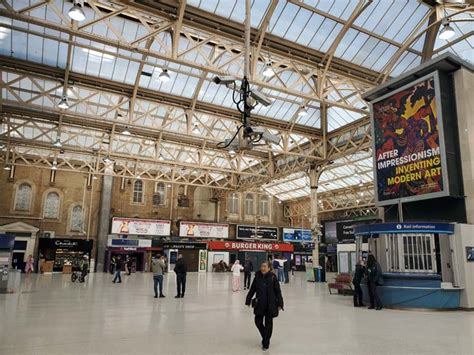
[(51, 315)]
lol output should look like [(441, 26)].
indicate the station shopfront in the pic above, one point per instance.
[(139, 251), (62, 254), (258, 252), (195, 255)]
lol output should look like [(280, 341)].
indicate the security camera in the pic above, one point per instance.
[(224, 80), (270, 138), (261, 98)]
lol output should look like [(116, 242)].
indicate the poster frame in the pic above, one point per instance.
[(444, 167)]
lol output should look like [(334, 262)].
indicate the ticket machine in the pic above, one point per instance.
[(6, 247)]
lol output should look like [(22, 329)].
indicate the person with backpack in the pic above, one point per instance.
[(181, 269)]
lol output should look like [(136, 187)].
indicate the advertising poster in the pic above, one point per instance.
[(202, 260), (345, 232), (408, 144), (248, 232), (297, 235), (203, 230), (135, 226)]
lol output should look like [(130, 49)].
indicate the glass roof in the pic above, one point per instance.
[(371, 42)]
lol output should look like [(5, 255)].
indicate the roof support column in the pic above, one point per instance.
[(104, 220), (314, 174)]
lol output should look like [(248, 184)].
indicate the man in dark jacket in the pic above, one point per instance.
[(286, 271), (248, 268), (374, 279), (356, 280), (118, 270), (181, 268), (268, 302)]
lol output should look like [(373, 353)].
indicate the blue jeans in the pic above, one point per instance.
[(158, 280), (117, 276), (281, 275)]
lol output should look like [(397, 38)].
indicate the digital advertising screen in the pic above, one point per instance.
[(297, 235), (409, 151)]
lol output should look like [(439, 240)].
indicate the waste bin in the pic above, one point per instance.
[(319, 274)]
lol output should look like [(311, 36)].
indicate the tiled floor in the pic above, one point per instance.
[(50, 315)]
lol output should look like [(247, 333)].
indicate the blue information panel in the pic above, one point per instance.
[(408, 227), (297, 235)]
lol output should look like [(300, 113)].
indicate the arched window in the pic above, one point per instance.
[(51, 205), (77, 219), (233, 203), (263, 207), (138, 191), (249, 205), (160, 194), (23, 197)]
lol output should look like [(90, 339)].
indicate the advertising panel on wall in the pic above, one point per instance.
[(136, 226), (264, 233), (297, 235), (203, 230), (409, 149), (345, 232)]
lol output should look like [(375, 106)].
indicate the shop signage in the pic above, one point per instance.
[(142, 243), (140, 226), (73, 244), (248, 232), (410, 157), (184, 246), (382, 228), (203, 230), (255, 246), (297, 235)]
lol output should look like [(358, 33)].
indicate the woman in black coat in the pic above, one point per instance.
[(268, 301)]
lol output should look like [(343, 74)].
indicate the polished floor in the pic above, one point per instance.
[(51, 315)]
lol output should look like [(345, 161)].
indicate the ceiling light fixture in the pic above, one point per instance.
[(169, 185), (231, 151), (268, 71), (54, 166), (302, 111), (107, 160), (63, 104), (196, 129), (58, 143), (7, 167), (94, 177), (164, 76), (126, 132), (447, 31), (76, 12)]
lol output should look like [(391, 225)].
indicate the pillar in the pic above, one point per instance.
[(104, 220), (313, 182)]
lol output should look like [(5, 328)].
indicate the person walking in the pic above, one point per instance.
[(268, 301), (286, 271), (29, 266), (181, 269), (158, 268), (374, 279), (128, 265), (236, 269), (275, 265), (281, 273), (118, 270), (248, 269), (356, 280), (293, 267)]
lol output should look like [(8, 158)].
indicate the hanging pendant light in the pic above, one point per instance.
[(63, 104), (126, 132), (268, 72), (302, 111), (446, 32), (196, 129), (58, 143), (76, 12), (164, 76)]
